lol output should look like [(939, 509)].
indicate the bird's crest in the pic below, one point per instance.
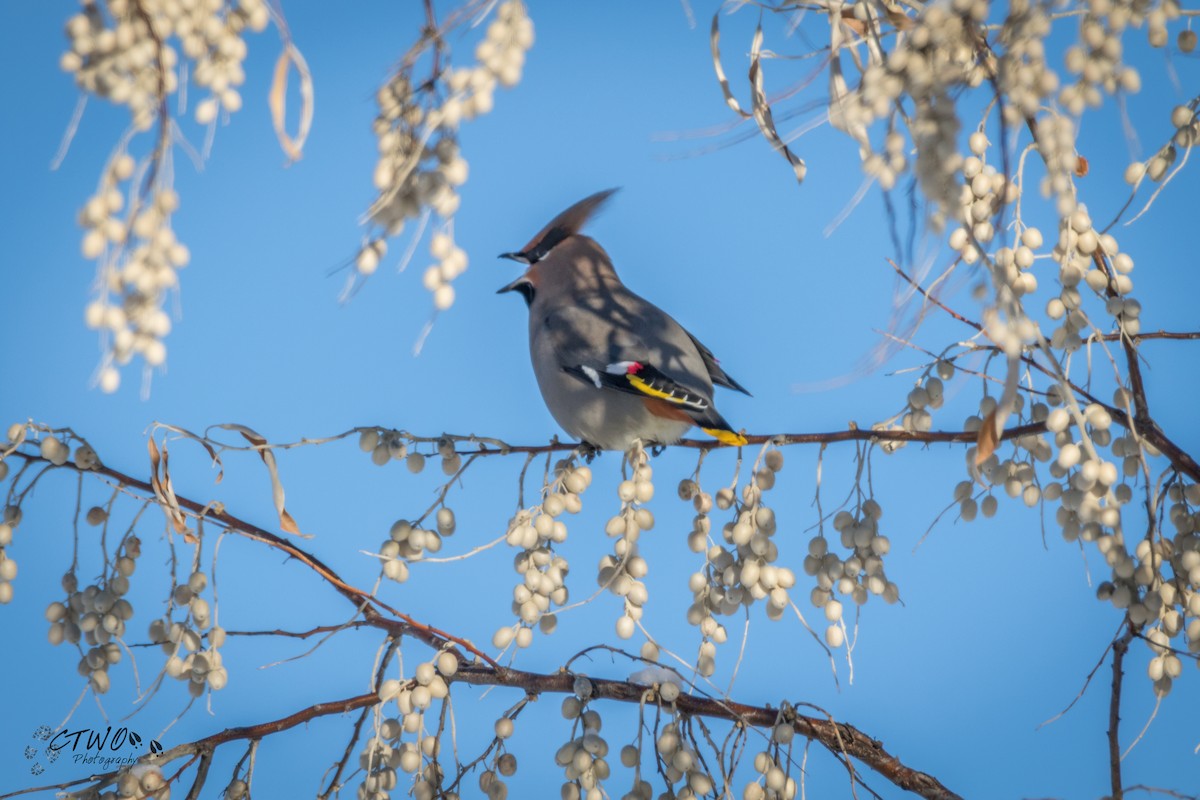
[(566, 224)]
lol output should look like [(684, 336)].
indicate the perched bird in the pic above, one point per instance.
[(612, 367)]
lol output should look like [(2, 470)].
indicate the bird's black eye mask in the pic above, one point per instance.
[(522, 285), (527, 291), (548, 240)]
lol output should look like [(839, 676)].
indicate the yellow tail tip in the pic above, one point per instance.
[(726, 437)]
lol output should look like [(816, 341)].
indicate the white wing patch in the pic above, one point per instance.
[(592, 374)]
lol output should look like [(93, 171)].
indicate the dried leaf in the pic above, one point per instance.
[(277, 100), (155, 459), (184, 432), (987, 440), (714, 42), (160, 482), (286, 522), (1081, 167), (762, 109), (853, 23), (896, 16)]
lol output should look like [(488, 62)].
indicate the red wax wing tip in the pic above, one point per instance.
[(634, 368)]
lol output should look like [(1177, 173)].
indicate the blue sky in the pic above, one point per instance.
[(997, 632)]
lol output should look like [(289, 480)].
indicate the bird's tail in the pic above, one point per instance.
[(676, 402), (726, 437), (715, 426)]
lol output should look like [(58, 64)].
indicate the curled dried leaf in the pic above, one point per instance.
[(714, 40), (203, 442), (762, 109), (853, 23), (286, 521), (160, 482), (277, 101)]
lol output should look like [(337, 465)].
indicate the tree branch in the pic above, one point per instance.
[(364, 601), (1119, 648), (839, 737), (1143, 424), (335, 780)]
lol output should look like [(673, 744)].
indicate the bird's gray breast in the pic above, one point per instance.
[(553, 345)]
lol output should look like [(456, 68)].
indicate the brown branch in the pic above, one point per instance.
[(1140, 406), (1107, 337), (367, 603), (1179, 459), (1086, 683), (431, 27), (852, 434), (1141, 787), (342, 626), (1142, 423), (933, 299), (335, 780), (839, 737), (48, 787), (200, 755), (1025, 359), (264, 729), (358, 623), (1160, 648), (1119, 648), (201, 775), (1159, 334)]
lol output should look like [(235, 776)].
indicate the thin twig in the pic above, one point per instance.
[(369, 605), (1119, 647)]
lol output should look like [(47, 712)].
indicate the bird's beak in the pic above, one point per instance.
[(510, 286), (520, 258), (523, 286)]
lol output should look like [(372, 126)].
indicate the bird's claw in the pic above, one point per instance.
[(589, 451)]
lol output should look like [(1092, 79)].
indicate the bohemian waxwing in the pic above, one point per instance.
[(611, 366)]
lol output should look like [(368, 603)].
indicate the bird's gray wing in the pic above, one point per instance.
[(600, 330), (582, 337), (647, 355), (597, 347), (679, 353)]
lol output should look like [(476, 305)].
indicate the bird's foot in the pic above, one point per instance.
[(588, 450)]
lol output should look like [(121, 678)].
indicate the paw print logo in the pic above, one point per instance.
[(135, 739), (41, 735)]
